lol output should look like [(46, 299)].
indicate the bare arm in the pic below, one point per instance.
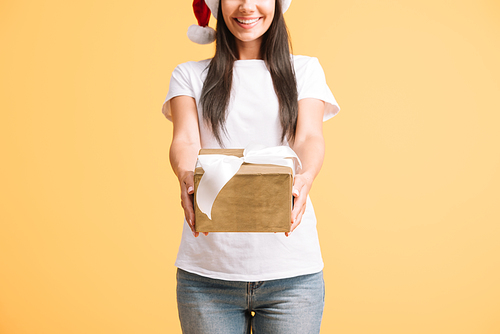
[(310, 147), (184, 150)]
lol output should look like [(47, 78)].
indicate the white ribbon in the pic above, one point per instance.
[(219, 169)]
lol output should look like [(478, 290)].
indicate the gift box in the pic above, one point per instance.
[(258, 198)]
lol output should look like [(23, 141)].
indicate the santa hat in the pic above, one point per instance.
[(202, 33)]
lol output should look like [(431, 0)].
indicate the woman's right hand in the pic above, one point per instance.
[(187, 200), (184, 151)]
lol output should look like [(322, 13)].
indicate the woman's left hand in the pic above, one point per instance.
[(310, 148), (302, 183)]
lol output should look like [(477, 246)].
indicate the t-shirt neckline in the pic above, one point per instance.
[(249, 63)]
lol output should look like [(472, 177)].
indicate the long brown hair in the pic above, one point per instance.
[(275, 51)]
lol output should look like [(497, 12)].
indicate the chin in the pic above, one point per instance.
[(247, 38)]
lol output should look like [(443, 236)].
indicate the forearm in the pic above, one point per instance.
[(183, 156), (311, 152)]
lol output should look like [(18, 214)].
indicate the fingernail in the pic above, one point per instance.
[(190, 189), (194, 235)]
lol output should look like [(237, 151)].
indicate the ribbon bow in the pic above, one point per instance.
[(219, 169)]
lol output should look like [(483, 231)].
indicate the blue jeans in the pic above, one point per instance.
[(289, 305)]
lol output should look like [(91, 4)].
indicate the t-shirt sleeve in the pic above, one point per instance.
[(180, 84), (314, 86)]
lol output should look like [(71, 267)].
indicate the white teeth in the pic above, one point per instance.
[(247, 21)]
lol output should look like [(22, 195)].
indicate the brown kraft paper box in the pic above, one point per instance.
[(257, 199)]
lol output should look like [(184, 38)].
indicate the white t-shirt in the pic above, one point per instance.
[(253, 117)]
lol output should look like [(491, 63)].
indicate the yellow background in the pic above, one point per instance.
[(407, 200)]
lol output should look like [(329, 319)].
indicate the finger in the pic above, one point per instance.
[(189, 219), (190, 224), (297, 212), (187, 193), (297, 187), (188, 216), (298, 206), (189, 183), (297, 222), (294, 225), (187, 205), (205, 233), (187, 202)]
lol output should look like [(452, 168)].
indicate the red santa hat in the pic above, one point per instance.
[(202, 33)]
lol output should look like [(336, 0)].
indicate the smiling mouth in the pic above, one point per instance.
[(252, 21)]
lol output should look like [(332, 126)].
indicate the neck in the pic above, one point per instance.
[(249, 50)]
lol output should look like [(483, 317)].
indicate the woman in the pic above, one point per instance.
[(253, 90)]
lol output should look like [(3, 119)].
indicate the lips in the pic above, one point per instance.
[(247, 22)]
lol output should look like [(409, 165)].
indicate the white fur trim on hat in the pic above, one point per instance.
[(214, 6), (201, 35)]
